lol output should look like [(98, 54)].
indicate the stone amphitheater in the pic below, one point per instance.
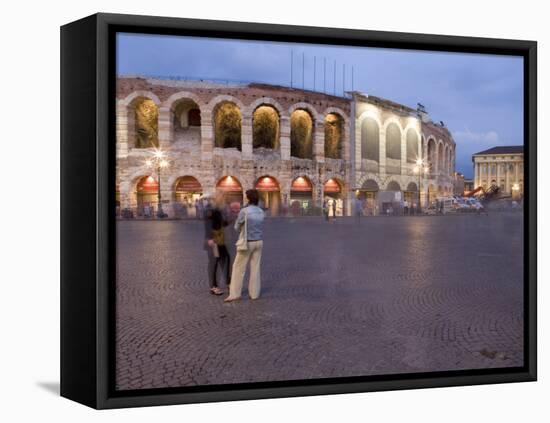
[(297, 147)]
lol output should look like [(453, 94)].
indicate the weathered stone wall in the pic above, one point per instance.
[(191, 151)]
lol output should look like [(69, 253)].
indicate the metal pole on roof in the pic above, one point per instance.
[(334, 87), (344, 79), (324, 74), (303, 70), (314, 70), (291, 67)]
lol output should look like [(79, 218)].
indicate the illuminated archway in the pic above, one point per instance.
[(333, 189), (187, 191), (270, 194), (227, 125), (301, 196), (265, 127), (143, 124), (393, 149), (370, 144), (334, 133), (231, 188), (301, 134), (146, 196)]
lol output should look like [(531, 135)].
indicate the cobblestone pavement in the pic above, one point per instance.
[(388, 295)]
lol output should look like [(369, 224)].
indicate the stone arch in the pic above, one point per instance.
[(224, 98), (370, 143), (185, 117), (171, 101), (138, 200), (412, 187), (231, 187), (370, 184), (393, 186), (337, 111), (130, 98), (266, 123), (393, 147), (302, 132), (268, 101), (227, 125), (269, 189), (305, 106), (334, 135), (173, 180), (142, 117)]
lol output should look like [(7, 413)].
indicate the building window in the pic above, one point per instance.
[(301, 134), (333, 136), (265, 132), (146, 124), (227, 126)]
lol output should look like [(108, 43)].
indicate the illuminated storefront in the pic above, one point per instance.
[(368, 195), (301, 196), (232, 189), (270, 194), (187, 192), (147, 196), (335, 199)]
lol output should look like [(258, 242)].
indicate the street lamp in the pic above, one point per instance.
[(420, 168), (158, 162)]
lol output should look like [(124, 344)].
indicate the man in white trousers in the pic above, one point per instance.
[(250, 217)]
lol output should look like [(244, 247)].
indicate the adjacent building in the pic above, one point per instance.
[(299, 148), (500, 166)]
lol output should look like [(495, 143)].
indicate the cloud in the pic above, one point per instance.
[(489, 137)]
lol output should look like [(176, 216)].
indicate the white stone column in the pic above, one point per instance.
[(404, 164), (165, 128), (507, 177), (284, 137), (346, 143), (382, 152), (498, 174), (319, 142), (124, 126), (246, 136), (358, 142), (207, 136)]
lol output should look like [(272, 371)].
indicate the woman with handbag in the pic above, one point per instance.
[(249, 224), (218, 253)]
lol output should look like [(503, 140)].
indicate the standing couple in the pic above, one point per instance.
[(248, 225)]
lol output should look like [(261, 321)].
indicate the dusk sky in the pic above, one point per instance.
[(479, 97)]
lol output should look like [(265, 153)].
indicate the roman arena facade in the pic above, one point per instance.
[(297, 147)]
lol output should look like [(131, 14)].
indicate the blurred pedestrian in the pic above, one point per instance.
[(249, 224), (218, 254)]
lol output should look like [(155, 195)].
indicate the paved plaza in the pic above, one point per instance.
[(385, 295)]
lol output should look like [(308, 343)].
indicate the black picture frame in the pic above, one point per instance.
[(87, 199)]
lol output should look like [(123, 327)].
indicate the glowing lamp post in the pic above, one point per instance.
[(158, 162), (420, 169)]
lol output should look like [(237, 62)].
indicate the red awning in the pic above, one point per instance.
[(229, 183), (267, 183), (301, 184), (331, 186), (188, 184), (148, 184)]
